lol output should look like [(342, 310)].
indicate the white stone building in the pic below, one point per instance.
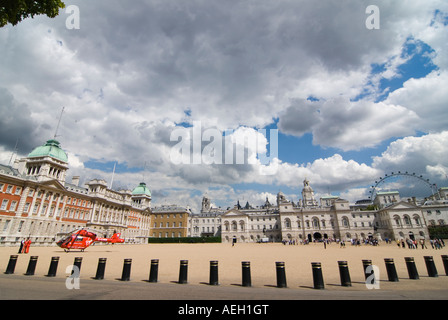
[(334, 219)]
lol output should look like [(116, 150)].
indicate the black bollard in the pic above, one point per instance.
[(31, 266), (430, 266), (77, 263), (366, 264), (213, 280), (412, 269), (126, 274), (344, 274), (53, 267), (281, 275), (391, 270), (445, 263), (100, 269), (11, 264), (318, 279), (183, 272), (154, 271), (247, 281)]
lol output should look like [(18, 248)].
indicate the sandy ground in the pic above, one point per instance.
[(297, 260)]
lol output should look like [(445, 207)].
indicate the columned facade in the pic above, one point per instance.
[(36, 202)]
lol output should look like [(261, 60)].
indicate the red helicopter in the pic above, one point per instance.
[(82, 239)]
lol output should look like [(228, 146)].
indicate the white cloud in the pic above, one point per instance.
[(354, 194), (427, 97), (423, 155), (348, 125)]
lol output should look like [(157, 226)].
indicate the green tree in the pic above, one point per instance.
[(14, 11)]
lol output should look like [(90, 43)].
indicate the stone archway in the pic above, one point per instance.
[(317, 236)]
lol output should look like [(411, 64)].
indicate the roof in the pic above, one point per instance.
[(387, 192), (50, 149), (170, 209), (142, 189)]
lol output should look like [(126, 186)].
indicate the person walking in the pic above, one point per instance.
[(27, 245), (21, 245)]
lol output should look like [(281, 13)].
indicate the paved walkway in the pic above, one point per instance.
[(262, 256), (21, 287)]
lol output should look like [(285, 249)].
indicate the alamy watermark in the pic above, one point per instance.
[(73, 20), (197, 145), (373, 20), (373, 278), (72, 282)]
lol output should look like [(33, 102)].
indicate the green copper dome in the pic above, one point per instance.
[(141, 189), (50, 149)]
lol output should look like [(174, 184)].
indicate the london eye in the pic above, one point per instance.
[(408, 184)]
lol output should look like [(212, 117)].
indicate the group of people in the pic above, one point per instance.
[(25, 246), (413, 244)]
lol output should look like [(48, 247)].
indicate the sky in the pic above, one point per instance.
[(349, 103)]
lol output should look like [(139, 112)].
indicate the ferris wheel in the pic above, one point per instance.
[(410, 180)]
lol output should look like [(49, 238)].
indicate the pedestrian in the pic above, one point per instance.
[(422, 242), (21, 245), (27, 245), (233, 241)]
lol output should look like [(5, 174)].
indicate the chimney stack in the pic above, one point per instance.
[(75, 180)]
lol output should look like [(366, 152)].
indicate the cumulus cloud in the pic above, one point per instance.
[(135, 72), (17, 125), (348, 125), (426, 97), (424, 155)]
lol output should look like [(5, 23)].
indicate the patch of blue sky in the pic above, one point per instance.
[(108, 166), (418, 63), (439, 16), (185, 122)]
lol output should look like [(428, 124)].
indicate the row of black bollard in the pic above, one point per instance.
[(318, 282), (246, 277), (53, 267), (430, 266), (412, 269), (281, 275), (100, 269), (391, 271), (344, 274), (11, 264)]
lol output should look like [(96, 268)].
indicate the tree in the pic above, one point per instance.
[(14, 11)]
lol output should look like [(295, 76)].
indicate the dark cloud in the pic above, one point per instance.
[(300, 117), (16, 124)]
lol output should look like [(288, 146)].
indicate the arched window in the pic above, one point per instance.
[(407, 220), (315, 223), (397, 221), (417, 220), (234, 226), (345, 222), (287, 223)]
